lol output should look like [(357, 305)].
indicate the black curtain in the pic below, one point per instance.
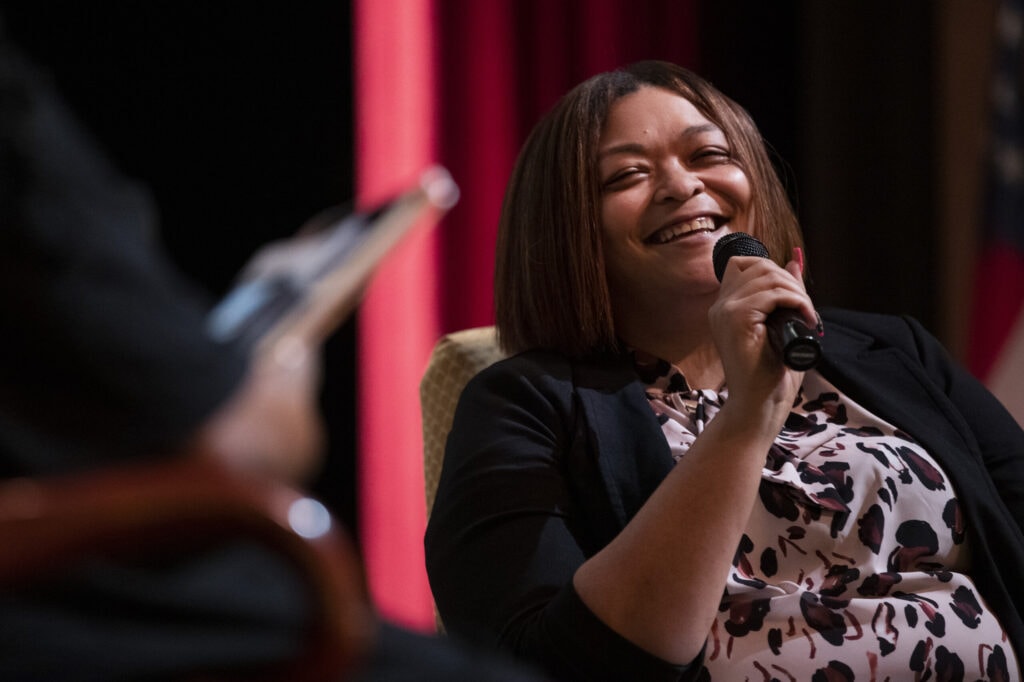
[(843, 90)]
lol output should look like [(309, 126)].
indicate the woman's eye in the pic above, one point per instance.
[(713, 154), (622, 177)]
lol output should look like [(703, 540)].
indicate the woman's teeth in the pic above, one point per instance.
[(679, 229)]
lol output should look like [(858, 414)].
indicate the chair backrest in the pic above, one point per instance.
[(456, 358)]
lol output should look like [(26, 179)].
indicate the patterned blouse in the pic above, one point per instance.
[(855, 562)]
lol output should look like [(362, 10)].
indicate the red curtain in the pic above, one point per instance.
[(458, 82)]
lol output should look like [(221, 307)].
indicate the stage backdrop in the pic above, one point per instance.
[(460, 83), (996, 351)]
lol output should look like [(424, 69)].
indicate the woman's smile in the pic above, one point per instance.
[(682, 227)]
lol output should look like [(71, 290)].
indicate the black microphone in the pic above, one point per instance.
[(799, 345)]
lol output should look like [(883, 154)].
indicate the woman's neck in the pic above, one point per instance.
[(702, 369), (689, 347)]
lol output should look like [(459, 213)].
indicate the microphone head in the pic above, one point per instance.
[(735, 244)]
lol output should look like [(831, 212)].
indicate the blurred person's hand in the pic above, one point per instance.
[(271, 427)]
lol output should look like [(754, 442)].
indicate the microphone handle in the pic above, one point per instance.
[(799, 345)]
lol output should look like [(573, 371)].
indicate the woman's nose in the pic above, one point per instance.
[(677, 183)]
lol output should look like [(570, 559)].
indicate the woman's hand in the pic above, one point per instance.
[(752, 288)]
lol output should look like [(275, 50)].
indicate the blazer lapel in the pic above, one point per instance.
[(624, 443), (892, 385)]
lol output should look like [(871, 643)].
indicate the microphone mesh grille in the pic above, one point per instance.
[(735, 244)]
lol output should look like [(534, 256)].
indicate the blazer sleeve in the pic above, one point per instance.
[(500, 548), (105, 354)]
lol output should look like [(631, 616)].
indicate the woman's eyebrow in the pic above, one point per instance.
[(637, 148), (701, 129), (624, 148)]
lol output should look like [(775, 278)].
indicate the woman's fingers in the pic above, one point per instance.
[(759, 284)]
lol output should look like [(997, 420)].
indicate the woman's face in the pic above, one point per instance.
[(670, 189)]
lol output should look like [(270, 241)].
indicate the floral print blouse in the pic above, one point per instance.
[(855, 562)]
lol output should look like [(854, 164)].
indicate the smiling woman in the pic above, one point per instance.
[(551, 288), (645, 491), (670, 187)]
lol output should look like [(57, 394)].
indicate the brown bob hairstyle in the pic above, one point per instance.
[(550, 286)]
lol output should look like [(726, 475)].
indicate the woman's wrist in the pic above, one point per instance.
[(753, 419)]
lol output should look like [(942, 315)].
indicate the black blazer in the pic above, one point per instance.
[(548, 459)]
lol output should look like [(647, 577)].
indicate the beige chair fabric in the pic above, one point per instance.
[(456, 358)]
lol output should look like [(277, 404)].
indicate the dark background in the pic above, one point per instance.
[(844, 91), (239, 118)]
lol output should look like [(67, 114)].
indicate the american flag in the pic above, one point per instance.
[(996, 349)]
